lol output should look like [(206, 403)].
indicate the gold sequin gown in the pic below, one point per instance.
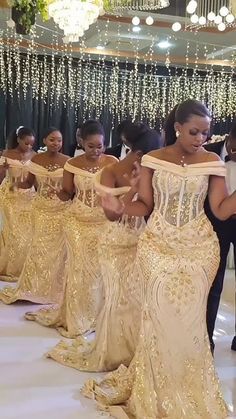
[(172, 373), (16, 230), (42, 277), (118, 323), (83, 293)]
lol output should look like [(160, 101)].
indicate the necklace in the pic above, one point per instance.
[(182, 161)]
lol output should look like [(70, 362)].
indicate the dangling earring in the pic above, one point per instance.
[(177, 134)]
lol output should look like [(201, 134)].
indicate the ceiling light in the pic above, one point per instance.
[(211, 16), (191, 7), (202, 20), (224, 11), (176, 26), (222, 26), (149, 20), (75, 16), (164, 44), (100, 47), (136, 21), (141, 5), (229, 18), (218, 19), (194, 18), (136, 29)]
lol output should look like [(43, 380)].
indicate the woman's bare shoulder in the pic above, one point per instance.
[(210, 156), (110, 159)]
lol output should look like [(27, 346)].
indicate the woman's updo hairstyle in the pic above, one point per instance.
[(91, 127), (189, 108), (20, 133), (184, 111), (141, 138), (49, 131)]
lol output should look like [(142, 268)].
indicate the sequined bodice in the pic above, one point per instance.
[(180, 192), (179, 199), (84, 185), (17, 170), (48, 179)]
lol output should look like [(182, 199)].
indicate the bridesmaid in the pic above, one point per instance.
[(119, 320), (172, 374), (15, 204), (83, 225), (42, 276)]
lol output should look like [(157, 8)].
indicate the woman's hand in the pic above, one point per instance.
[(52, 191), (113, 204)]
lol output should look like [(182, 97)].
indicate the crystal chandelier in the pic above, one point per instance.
[(75, 16), (214, 13), (117, 5)]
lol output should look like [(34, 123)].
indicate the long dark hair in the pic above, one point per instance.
[(182, 113), (20, 133)]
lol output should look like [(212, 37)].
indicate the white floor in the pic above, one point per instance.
[(32, 387)]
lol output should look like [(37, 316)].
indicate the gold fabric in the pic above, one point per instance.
[(172, 373), (83, 292), (119, 320), (42, 277), (16, 228)]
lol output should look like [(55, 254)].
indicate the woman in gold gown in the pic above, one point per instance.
[(15, 205), (41, 279), (172, 373), (84, 222), (118, 323)]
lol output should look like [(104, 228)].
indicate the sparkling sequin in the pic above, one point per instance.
[(119, 319), (83, 290), (41, 279), (172, 374), (16, 234)]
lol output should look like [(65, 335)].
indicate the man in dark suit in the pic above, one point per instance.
[(120, 149), (127, 130), (225, 230)]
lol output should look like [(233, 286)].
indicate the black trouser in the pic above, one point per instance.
[(226, 236)]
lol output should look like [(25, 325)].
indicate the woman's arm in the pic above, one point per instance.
[(27, 183), (222, 205), (67, 191), (108, 179), (143, 206)]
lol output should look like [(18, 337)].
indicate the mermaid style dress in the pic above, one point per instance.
[(118, 323), (77, 312), (172, 373), (42, 278), (16, 226)]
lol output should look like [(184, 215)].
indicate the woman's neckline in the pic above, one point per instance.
[(180, 165)]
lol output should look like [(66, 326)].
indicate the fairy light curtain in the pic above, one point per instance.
[(42, 90)]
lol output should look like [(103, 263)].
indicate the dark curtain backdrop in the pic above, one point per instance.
[(40, 114)]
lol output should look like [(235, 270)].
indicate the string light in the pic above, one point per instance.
[(90, 88)]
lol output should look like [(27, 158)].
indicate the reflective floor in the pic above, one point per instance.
[(32, 387)]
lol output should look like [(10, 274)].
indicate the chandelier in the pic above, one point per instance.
[(214, 13), (75, 16), (117, 5)]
